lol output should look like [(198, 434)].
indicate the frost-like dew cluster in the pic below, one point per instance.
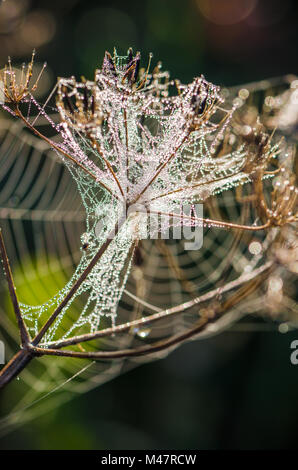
[(135, 141)]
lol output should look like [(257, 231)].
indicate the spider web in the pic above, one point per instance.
[(46, 221), (42, 227), (99, 295), (42, 216)]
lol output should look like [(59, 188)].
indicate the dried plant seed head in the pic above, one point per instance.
[(16, 82), (257, 146), (284, 199), (108, 66), (135, 145)]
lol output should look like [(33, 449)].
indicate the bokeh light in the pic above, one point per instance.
[(38, 28), (255, 248), (226, 12), (12, 14)]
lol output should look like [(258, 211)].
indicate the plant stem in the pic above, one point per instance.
[(107, 163), (167, 343), (15, 366), (215, 223), (160, 168), (25, 338), (243, 279)]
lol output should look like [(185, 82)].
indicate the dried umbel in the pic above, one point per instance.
[(135, 142), (17, 83), (148, 141)]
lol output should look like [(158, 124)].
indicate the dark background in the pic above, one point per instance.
[(237, 390), (230, 41)]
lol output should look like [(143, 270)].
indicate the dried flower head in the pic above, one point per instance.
[(149, 143), (284, 199), (259, 151), (16, 83)]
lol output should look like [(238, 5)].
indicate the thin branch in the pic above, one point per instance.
[(23, 357), (126, 143), (186, 188), (25, 338), (169, 342), (161, 167), (273, 172), (215, 223), (109, 166), (163, 313), (142, 302), (147, 349)]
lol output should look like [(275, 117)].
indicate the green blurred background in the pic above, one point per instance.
[(237, 390)]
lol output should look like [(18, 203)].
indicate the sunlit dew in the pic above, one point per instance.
[(137, 148), (255, 248), (275, 284), (243, 93), (142, 332), (294, 84), (269, 101), (247, 268), (283, 328)]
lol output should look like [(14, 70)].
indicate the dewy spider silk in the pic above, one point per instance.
[(145, 152), (137, 152)]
